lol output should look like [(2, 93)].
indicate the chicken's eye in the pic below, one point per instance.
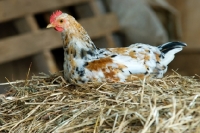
[(61, 21)]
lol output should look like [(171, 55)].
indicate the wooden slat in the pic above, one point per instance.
[(94, 7), (28, 44), (24, 7), (32, 23), (100, 25), (108, 35), (110, 40), (43, 60), (189, 14)]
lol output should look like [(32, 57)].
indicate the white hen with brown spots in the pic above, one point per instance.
[(83, 62)]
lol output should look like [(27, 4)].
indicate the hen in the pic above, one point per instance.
[(83, 62)]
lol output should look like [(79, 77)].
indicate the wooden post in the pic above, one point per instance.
[(108, 35), (44, 60)]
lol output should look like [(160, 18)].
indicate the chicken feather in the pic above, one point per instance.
[(83, 62)]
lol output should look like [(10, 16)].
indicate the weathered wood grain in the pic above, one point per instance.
[(11, 9)]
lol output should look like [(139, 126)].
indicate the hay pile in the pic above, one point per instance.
[(48, 104)]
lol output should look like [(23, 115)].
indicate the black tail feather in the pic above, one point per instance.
[(171, 45)]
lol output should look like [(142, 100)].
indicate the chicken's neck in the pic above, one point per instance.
[(78, 50), (77, 43)]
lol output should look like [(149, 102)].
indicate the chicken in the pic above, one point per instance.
[(83, 62)]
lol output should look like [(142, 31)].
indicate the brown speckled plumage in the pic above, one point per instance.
[(83, 62)]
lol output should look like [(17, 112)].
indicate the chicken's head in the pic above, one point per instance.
[(59, 21)]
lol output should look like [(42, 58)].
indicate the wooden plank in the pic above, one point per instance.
[(100, 25), (94, 7), (44, 61), (110, 40), (25, 7), (26, 44), (31, 43), (32, 23), (190, 22), (108, 35), (40, 59), (189, 12)]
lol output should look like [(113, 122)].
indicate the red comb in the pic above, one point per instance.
[(54, 15)]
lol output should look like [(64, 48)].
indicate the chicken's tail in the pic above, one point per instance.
[(170, 49)]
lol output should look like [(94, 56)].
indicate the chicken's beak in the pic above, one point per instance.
[(50, 26)]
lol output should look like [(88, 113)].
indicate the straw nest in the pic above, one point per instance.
[(47, 103)]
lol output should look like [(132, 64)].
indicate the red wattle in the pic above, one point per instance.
[(58, 29)]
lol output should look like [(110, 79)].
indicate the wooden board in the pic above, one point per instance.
[(190, 22), (32, 43), (24, 7), (100, 25)]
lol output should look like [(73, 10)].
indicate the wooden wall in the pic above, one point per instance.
[(24, 39), (190, 21), (189, 60)]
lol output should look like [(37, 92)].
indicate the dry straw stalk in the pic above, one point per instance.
[(49, 104)]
